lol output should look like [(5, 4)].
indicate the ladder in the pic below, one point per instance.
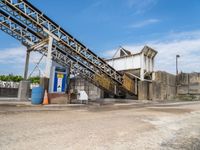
[(23, 21)]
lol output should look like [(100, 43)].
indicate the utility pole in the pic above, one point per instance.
[(177, 56)]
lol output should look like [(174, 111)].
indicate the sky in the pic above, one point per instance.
[(169, 26)]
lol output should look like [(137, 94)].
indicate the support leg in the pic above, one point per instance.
[(49, 58), (26, 65), (24, 87), (44, 82)]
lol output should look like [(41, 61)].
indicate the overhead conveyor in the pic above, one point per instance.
[(23, 21)]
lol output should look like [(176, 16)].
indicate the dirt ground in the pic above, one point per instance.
[(120, 127)]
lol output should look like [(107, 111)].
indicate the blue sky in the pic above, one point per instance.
[(169, 26)]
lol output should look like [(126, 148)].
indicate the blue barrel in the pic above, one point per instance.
[(37, 95)]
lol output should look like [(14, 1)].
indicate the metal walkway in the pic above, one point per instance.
[(23, 21)]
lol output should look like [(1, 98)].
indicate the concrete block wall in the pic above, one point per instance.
[(79, 83), (163, 87), (143, 88), (167, 84), (188, 86), (9, 92)]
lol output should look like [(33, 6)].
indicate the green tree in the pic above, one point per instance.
[(35, 79), (16, 78), (11, 77)]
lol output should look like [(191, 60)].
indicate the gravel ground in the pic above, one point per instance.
[(171, 126)]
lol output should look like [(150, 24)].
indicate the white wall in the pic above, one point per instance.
[(125, 63)]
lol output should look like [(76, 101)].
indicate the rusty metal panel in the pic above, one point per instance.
[(128, 83), (105, 82)]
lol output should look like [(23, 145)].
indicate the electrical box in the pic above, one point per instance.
[(59, 78)]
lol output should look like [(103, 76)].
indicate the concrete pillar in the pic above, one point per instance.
[(24, 86), (150, 64), (136, 86), (143, 90), (26, 65), (142, 67), (24, 90)]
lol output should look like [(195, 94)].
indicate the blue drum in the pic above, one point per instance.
[(37, 95)]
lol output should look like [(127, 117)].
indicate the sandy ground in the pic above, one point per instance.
[(119, 127)]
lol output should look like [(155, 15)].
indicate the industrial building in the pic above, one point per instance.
[(73, 70), (138, 66)]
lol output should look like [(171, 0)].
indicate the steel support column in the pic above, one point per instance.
[(49, 58), (26, 65)]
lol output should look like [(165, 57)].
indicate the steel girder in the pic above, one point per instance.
[(9, 26), (26, 23), (12, 27), (35, 19)]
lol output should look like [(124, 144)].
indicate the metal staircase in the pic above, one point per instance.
[(23, 21)]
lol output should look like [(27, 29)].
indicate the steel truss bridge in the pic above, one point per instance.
[(23, 21)]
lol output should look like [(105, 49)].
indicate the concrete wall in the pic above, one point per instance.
[(163, 87), (9, 92), (188, 86), (79, 83), (166, 86), (143, 90)]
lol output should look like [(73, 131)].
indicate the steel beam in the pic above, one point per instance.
[(34, 18), (26, 23)]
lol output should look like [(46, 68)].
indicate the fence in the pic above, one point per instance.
[(10, 89)]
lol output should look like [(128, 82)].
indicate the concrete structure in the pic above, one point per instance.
[(9, 92), (166, 86), (79, 84), (162, 87), (59, 46), (188, 86), (139, 64), (24, 90)]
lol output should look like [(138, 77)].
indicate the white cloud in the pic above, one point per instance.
[(141, 6), (188, 47), (12, 55), (144, 23), (16, 57)]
